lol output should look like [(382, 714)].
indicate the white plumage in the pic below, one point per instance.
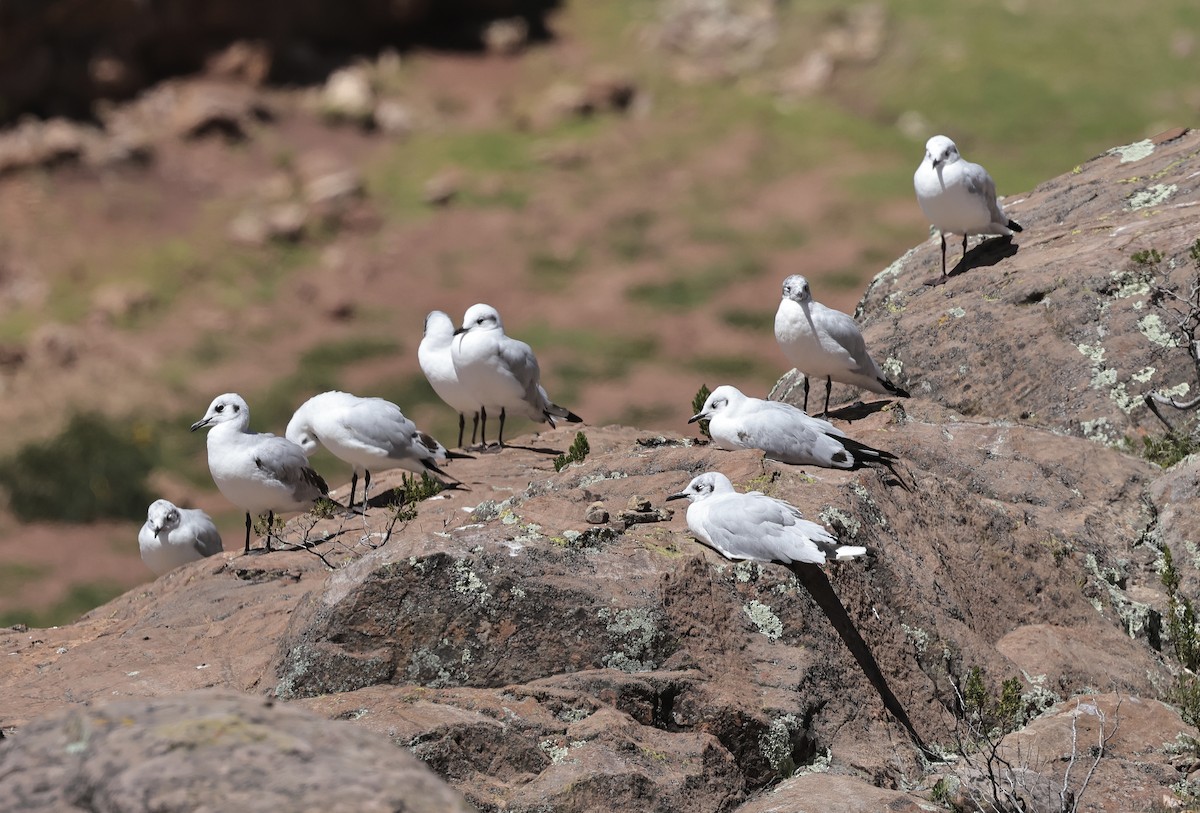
[(256, 471), (437, 362), (755, 526), (957, 196), (786, 433), (826, 343), (175, 536)]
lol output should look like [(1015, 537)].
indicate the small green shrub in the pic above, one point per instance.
[(576, 454), (698, 404), (1166, 449), (96, 468)]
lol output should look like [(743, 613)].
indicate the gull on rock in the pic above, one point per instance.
[(957, 196), (175, 536), (437, 363), (501, 372), (256, 471), (786, 433), (755, 526), (826, 343), (368, 433)]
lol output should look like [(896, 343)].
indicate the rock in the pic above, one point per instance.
[(717, 38), (199, 108), (393, 117), (596, 514), (833, 793), (54, 345), (114, 303), (286, 222), (249, 228), (233, 751), (242, 60), (347, 96), (506, 36), (443, 188)]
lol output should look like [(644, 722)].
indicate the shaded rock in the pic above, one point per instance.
[(286, 221), (243, 60), (347, 96), (1054, 329), (596, 514), (832, 793), (507, 36), (233, 752), (200, 108)]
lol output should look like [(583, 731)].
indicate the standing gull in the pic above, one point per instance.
[(175, 536), (784, 432), (438, 365), (823, 342), (957, 196), (256, 471), (501, 372), (755, 526), (367, 433)]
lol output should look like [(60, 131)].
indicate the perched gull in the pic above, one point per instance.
[(175, 536), (783, 431), (256, 471), (957, 196), (438, 366), (367, 433), (822, 342), (501, 372), (755, 526)]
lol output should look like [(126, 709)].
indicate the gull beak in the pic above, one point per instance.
[(199, 423), (460, 331), (699, 416), (682, 495), (157, 530)]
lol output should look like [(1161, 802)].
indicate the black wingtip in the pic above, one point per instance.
[(893, 389), (571, 417), (1015, 226), (459, 455)]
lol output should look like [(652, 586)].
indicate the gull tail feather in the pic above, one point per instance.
[(1014, 225), (849, 552), (892, 388), (561, 412)]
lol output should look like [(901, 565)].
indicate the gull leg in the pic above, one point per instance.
[(943, 236), (248, 524), (501, 435), (366, 487), (462, 423), (482, 428), (474, 427), (270, 528), (806, 393), (964, 248), (353, 486), (828, 387)]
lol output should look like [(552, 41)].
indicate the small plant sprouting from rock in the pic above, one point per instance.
[(1185, 640), (324, 508), (1181, 312), (576, 454), (698, 404)]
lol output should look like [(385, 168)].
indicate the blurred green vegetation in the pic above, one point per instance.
[(80, 599)]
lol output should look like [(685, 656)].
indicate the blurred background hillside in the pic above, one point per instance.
[(197, 197)]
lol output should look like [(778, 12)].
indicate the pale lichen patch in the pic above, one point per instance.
[(1134, 152), (1151, 326), (1152, 196), (893, 366), (764, 619)]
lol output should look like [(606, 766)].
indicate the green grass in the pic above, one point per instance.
[(628, 235), (14, 574), (80, 599), (555, 270), (751, 321), (690, 289), (592, 357)]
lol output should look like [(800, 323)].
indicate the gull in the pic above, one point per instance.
[(175, 536), (786, 433), (256, 471), (755, 526), (501, 372), (957, 196), (824, 342), (367, 433), (438, 365)]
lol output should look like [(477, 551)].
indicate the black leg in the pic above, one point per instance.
[(482, 428), (270, 528), (474, 426), (828, 387), (943, 236), (462, 424), (501, 435), (366, 488), (964, 248), (806, 393), (353, 486), (249, 523)]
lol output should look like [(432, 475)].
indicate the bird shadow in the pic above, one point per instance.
[(858, 410), (535, 449), (987, 253), (817, 583)]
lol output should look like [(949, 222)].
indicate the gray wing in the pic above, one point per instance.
[(208, 539), (789, 435), (520, 361), (979, 182), (285, 462), (754, 526), (842, 329), (377, 424)]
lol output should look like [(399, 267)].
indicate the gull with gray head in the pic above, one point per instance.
[(786, 433), (258, 472), (501, 372), (826, 343), (957, 196), (755, 526), (369, 434), (437, 363), (174, 536)]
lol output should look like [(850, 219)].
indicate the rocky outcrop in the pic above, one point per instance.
[(538, 655), (242, 753)]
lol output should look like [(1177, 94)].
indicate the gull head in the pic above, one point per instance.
[(226, 408), (940, 151), (438, 325), (796, 289), (704, 486), (301, 433), (722, 398), (162, 516), (480, 317)]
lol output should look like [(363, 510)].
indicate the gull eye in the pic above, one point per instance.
[(220, 408)]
